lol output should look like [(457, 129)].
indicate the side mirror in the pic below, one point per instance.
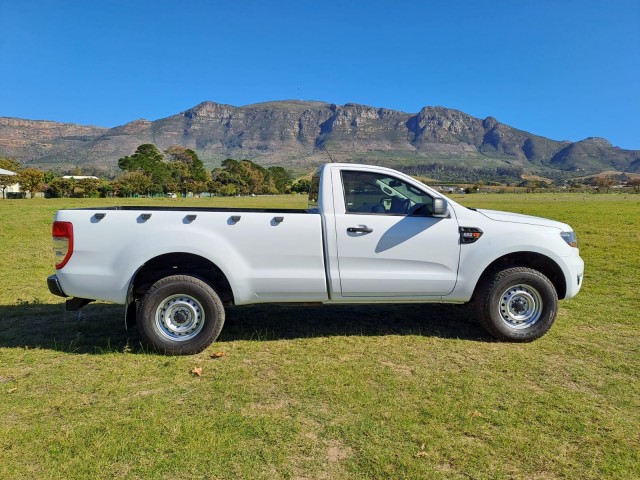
[(440, 207)]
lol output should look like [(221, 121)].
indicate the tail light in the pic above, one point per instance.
[(62, 234)]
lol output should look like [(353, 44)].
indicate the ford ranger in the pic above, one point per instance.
[(369, 235)]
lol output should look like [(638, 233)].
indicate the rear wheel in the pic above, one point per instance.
[(180, 315), (517, 304)]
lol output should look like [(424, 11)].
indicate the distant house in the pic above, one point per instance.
[(9, 190), (79, 177)]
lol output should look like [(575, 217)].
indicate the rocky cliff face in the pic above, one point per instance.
[(32, 140), (295, 134)]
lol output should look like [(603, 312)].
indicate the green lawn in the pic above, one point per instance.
[(325, 393)]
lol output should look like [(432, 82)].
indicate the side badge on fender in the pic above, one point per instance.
[(469, 234)]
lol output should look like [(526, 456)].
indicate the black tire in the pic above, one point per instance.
[(180, 315), (517, 304)]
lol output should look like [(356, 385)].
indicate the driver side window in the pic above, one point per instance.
[(374, 193)]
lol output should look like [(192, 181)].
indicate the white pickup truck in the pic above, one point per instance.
[(370, 235)]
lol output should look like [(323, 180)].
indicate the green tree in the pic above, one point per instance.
[(301, 186), (180, 178), (133, 183), (87, 188), (188, 157), (200, 187), (148, 160), (232, 166), (229, 190), (280, 178), (31, 180), (254, 175), (221, 177), (635, 183), (49, 176), (61, 187), (248, 178), (105, 188), (187, 171)]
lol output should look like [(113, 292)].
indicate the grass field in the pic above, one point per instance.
[(326, 393)]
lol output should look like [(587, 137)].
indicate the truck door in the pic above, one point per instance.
[(388, 242)]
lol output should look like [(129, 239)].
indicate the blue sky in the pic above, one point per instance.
[(564, 69)]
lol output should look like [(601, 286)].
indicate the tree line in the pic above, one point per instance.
[(148, 171), (179, 170)]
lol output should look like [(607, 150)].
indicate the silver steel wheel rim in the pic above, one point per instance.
[(520, 306), (180, 317)]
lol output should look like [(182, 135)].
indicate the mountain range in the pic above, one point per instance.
[(301, 134)]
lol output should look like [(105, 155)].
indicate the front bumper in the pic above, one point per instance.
[(54, 286), (575, 277)]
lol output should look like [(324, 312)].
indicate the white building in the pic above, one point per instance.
[(12, 188)]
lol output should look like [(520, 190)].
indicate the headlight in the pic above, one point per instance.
[(570, 238)]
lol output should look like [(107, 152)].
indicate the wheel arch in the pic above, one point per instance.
[(537, 261), (176, 263)]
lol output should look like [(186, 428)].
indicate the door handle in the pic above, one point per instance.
[(362, 229)]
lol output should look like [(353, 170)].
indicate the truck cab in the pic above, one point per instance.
[(386, 235)]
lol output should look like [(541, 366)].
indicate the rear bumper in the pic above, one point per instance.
[(54, 286), (73, 304)]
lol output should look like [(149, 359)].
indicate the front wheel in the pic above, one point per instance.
[(517, 304), (180, 315)]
